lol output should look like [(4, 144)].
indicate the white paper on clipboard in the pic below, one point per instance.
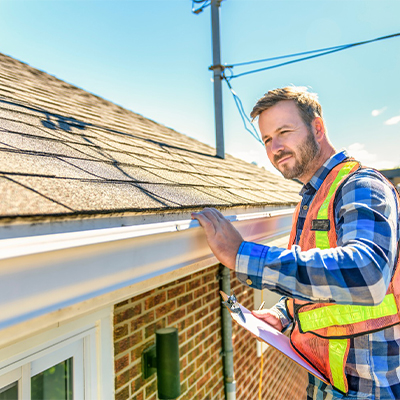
[(271, 336)]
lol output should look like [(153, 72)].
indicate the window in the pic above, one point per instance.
[(66, 367), (58, 375), (54, 382)]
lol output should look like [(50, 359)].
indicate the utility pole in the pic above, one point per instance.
[(217, 68)]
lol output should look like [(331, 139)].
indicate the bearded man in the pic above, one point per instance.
[(341, 292)]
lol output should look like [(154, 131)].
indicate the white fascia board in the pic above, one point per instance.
[(46, 273)]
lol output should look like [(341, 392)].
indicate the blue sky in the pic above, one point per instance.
[(152, 57)]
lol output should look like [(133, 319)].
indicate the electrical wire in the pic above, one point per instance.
[(204, 4), (321, 52), (285, 63), (246, 120), (285, 56)]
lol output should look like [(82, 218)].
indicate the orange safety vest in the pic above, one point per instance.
[(321, 331)]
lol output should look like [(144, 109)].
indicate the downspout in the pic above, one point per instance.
[(227, 346)]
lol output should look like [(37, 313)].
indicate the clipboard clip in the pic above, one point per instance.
[(234, 307)]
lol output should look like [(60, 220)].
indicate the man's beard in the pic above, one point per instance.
[(306, 154)]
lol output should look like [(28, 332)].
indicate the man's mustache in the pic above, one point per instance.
[(281, 155)]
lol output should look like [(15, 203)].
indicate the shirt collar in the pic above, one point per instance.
[(321, 174)]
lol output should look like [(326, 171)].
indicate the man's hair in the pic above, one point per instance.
[(306, 102)]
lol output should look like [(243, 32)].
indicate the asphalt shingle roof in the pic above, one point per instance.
[(64, 151)]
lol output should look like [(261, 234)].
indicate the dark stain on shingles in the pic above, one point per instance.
[(64, 123), (56, 121)]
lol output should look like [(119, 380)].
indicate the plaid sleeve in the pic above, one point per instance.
[(358, 271)]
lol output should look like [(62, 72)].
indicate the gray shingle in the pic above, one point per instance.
[(64, 151)]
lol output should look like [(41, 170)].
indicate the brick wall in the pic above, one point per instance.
[(192, 305)]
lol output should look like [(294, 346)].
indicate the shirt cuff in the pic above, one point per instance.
[(280, 309), (250, 261)]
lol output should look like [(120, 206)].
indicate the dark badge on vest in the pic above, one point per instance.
[(320, 225)]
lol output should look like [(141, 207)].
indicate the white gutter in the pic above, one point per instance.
[(45, 273)]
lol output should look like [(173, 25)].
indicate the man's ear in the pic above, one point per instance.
[(319, 128)]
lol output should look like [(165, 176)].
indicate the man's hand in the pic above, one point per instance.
[(224, 240), (270, 317)]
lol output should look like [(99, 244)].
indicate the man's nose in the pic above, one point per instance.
[(276, 146)]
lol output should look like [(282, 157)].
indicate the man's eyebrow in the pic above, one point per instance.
[(283, 127), (277, 130)]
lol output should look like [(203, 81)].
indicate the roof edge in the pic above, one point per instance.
[(45, 225), (54, 272)]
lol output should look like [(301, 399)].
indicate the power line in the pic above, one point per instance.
[(246, 120), (249, 127), (204, 4), (285, 56), (320, 52)]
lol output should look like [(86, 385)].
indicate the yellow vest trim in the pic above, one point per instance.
[(321, 237), (337, 351), (345, 314)]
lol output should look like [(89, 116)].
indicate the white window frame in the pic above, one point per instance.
[(18, 375), (75, 351), (88, 340)]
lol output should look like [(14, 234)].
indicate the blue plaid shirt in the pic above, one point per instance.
[(357, 271)]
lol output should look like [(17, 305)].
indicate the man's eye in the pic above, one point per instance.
[(266, 141)]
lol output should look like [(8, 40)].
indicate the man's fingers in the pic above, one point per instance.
[(263, 314), (211, 214), (208, 215), (224, 240), (270, 317), (217, 214), (204, 221)]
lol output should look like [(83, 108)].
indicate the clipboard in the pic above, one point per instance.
[(268, 334)]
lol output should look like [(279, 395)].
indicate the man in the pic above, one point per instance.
[(342, 254)]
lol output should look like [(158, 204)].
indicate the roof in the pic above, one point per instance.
[(65, 152)]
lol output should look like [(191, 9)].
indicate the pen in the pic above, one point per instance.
[(262, 305)]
